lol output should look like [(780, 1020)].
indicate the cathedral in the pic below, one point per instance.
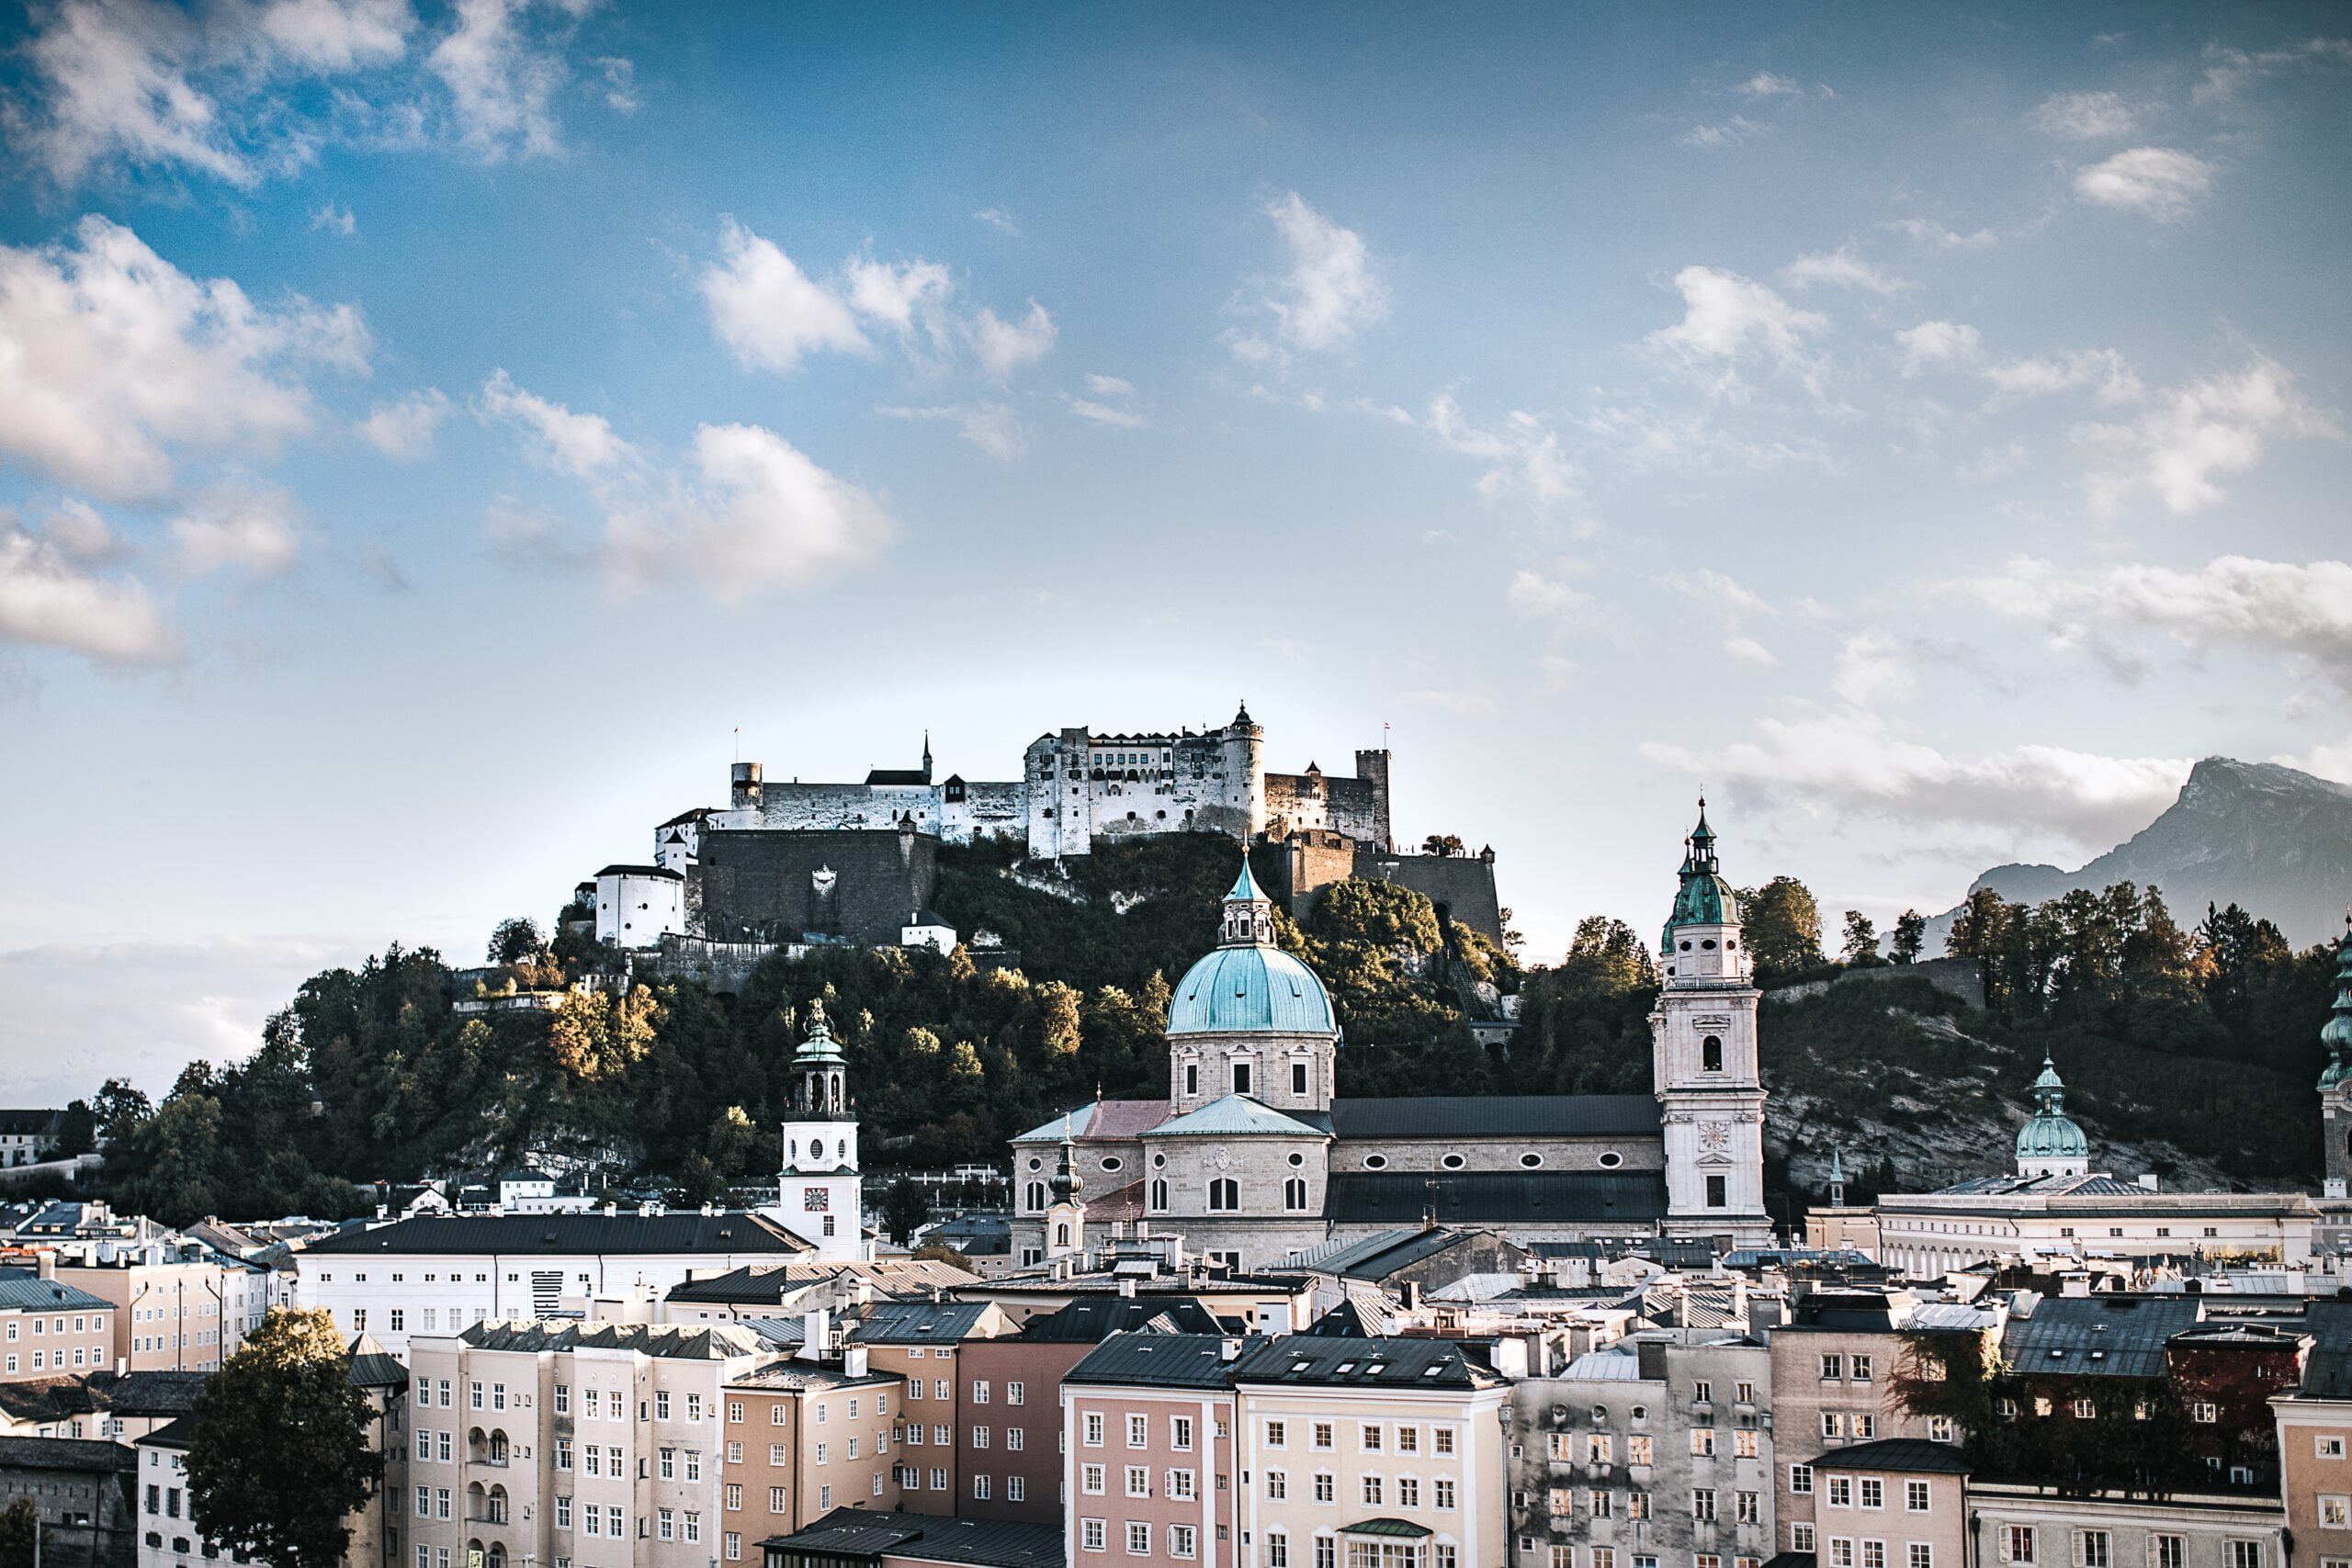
[(1254, 1159)]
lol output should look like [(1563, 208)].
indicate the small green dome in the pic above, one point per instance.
[(819, 1049), (1704, 898), (2337, 1032), (2050, 1133)]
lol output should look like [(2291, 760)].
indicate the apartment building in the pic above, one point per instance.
[(804, 1437), (436, 1274), (2314, 1425), (554, 1442), (1149, 1461), (48, 1326), (1375, 1453), (921, 1342), (1894, 1503), (179, 1307), (1656, 1448)]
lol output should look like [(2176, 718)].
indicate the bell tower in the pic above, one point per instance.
[(1066, 1215), (819, 1192), (2336, 1079), (1711, 1099)]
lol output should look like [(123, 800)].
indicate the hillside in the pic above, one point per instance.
[(2256, 834)]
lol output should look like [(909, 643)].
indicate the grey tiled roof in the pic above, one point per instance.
[(562, 1235), (691, 1342), (918, 1322), (1898, 1454), (983, 1543), (1364, 1363), (2098, 1335), (1167, 1360), (24, 1289), (65, 1453), (1497, 1116), (1090, 1320), (1495, 1197)]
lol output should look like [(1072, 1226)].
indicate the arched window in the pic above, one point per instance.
[(1159, 1196), (1295, 1194), (1036, 1197), (1710, 1054), (1061, 1236), (1225, 1195)]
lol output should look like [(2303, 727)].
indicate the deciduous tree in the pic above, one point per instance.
[(280, 1454)]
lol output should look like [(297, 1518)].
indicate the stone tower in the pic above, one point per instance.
[(1066, 1216), (1703, 1060), (1244, 753), (821, 1194), (2050, 1144), (2336, 1080)]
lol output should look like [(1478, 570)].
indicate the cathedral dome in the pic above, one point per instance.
[(1251, 990), (2050, 1133)]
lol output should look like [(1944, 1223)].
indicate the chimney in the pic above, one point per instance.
[(816, 1334), (854, 1361), (2148, 1182), (45, 1265), (1412, 1294), (1230, 1350), (1128, 1289)]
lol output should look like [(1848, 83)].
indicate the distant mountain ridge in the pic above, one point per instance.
[(2273, 839)]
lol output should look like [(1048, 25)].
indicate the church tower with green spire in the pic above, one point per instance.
[(1711, 1098), (821, 1194), (2336, 1079)]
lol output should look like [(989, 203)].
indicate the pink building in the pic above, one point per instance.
[(1148, 1461)]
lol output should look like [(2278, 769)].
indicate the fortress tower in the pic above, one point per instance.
[(1703, 1059)]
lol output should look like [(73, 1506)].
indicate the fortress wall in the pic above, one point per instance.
[(763, 886)]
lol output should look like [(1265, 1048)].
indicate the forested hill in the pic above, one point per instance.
[(2188, 1051)]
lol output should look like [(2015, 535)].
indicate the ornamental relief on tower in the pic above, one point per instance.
[(1714, 1141)]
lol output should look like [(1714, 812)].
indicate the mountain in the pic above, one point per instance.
[(2270, 839)]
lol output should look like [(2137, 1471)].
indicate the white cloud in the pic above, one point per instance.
[(1730, 133), (1715, 588), (581, 444), (2101, 368), (2087, 117), (2303, 611), (1005, 346), (766, 310), (1747, 650), (503, 77), (1771, 85), (895, 293), (1995, 462), (1331, 293), (245, 528), (1725, 315), (2328, 760), (1536, 594), (153, 84), (992, 427), (404, 428), (1872, 669), (1109, 386), (2163, 182), (620, 83), (1843, 268), (1523, 458), (2229, 72), (109, 355), (1106, 413), (2192, 435), (1849, 761), (335, 219), (1556, 671), (1938, 342), (1928, 232), (49, 597), (753, 515), (1000, 220)]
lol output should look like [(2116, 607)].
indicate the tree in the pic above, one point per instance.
[(1442, 844), (905, 1208), (119, 1108), (516, 940), (1862, 940), (1781, 925), (77, 1129), (1606, 959), (19, 1534), (281, 1453), (1910, 935)]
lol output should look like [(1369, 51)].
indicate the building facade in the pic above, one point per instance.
[(1149, 1465), (49, 1326)]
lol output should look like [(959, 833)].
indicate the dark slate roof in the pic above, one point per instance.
[(23, 1288), (173, 1435), (1342, 1322), (1090, 1320), (1364, 1363), (2110, 1335), (2327, 1372), (982, 1543), (372, 1366), (65, 1453), (1915, 1454), (692, 1342), (30, 1124), (918, 1322), (148, 1395), (562, 1234), (642, 871), (1497, 1116), (1495, 1197), (1165, 1361), (56, 1399), (1377, 1257)]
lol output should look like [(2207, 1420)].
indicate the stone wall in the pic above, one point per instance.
[(839, 886), (1462, 886), (1962, 979)]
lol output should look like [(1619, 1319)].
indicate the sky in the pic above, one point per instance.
[(435, 440)]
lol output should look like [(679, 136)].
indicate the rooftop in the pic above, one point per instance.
[(1160, 1360), (562, 1235), (984, 1544), (1399, 1364), (66, 1453), (920, 1323), (1912, 1454), (25, 1290), (1493, 1196), (1499, 1116), (689, 1342), (2108, 1336)]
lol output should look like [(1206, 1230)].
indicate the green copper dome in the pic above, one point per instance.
[(2337, 1032), (2050, 1133), (1705, 898), (819, 1049), (1247, 985)]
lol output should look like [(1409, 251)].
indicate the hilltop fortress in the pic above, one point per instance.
[(784, 862)]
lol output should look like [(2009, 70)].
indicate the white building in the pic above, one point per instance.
[(437, 1274), (636, 904), (820, 1193)]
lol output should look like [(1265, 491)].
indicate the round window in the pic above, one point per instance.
[(1669, 969), (1159, 1161), (1112, 1162), (1612, 1160), (1641, 1412), (1709, 944), (1600, 1415), (1298, 1159), (1686, 947), (1530, 1160), (1730, 942), (1451, 1162), (1036, 1164), (1375, 1162)]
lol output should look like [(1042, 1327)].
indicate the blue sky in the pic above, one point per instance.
[(428, 434)]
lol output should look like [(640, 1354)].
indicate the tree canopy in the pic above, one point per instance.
[(280, 1455), (1781, 926)]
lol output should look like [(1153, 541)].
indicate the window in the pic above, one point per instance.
[(1702, 1504), (1139, 1481), (1016, 1489), (1744, 1443), (1225, 1195), (2167, 1551), (1862, 1372), (1442, 1491), (2334, 1511), (1703, 1393), (732, 1546), (1277, 1550), (1323, 1434), (1179, 1541), (1832, 1368), (1939, 1429), (776, 1500), (1702, 1442), (1873, 1492), (1441, 1440), (1842, 1491), (1295, 1194), (1138, 1431), (1865, 1427), (1716, 1196), (1598, 1448), (1092, 1437), (2243, 1554), (1180, 1433), (1637, 1448), (1298, 1078), (1090, 1534), (1090, 1479), (1748, 1507), (1919, 1554), (1139, 1539), (2017, 1544), (1833, 1424), (1800, 1537), (1915, 1496), (2328, 1445), (2093, 1549), (1326, 1486), (1015, 1438)]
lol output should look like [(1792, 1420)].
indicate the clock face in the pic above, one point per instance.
[(1715, 1137)]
